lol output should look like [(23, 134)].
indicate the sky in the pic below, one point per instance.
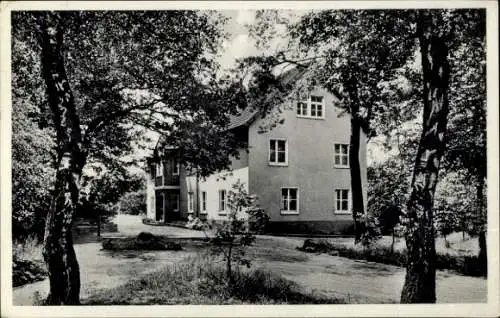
[(239, 44)]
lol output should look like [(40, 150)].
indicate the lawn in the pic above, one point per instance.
[(202, 280)]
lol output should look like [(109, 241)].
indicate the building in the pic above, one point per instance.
[(299, 170)]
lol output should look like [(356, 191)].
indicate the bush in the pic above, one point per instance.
[(27, 262), (143, 241), (465, 265)]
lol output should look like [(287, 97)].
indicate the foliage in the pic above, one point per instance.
[(234, 235), (32, 155), (201, 281), (27, 262), (133, 203), (104, 191)]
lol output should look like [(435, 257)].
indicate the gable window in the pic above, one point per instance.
[(278, 152), (204, 202), (176, 168), (289, 201), (342, 201), (341, 155), (222, 201), (175, 202), (190, 202), (313, 107)]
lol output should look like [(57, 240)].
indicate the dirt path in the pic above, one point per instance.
[(357, 281)]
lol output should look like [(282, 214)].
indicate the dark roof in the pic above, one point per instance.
[(245, 117), (248, 114)]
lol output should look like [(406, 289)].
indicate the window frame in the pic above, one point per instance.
[(159, 169), (223, 201), (203, 209), (276, 163), (289, 212), (177, 202), (176, 167), (190, 202), (340, 155), (309, 103), (336, 200)]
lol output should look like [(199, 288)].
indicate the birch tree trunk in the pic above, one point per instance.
[(357, 203), (58, 251), (420, 280), (356, 183)]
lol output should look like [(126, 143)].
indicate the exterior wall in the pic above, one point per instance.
[(310, 144), (211, 185), (150, 195)]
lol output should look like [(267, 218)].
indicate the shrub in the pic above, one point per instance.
[(233, 235), (27, 262)]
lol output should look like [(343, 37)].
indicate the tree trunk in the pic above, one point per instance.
[(98, 224), (355, 170), (483, 259), (393, 238), (420, 280), (229, 270), (58, 251)]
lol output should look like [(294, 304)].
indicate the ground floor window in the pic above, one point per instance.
[(175, 202), (222, 201), (289, 200), (204, 202), (342, 201), (190, 202)]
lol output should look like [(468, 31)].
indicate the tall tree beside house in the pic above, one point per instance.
[(437, 32), (103, 73)]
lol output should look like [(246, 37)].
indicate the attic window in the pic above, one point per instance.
[(313, 107)]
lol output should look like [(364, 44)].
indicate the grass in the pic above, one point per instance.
[(462, 263), (201, 280)]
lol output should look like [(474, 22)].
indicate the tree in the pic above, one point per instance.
[(96, 94), (349, 52), (235, 235), (437, 32), (102, 192)]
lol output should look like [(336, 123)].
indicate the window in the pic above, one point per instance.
[(159, 169), (204, 202), (302, 108), (341, 155), (289, 201), (176, 168), (175, 202), (278, 153), (342, 201), (222, 201), (190, 202), (313, 107)]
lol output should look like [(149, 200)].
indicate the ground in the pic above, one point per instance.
[(356, 281)]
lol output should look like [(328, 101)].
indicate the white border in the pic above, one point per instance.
[(439, 310)]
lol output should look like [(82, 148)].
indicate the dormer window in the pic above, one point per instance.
[(313, 107)]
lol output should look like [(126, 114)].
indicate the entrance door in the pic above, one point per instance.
[(160, 207), (172, 206)]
